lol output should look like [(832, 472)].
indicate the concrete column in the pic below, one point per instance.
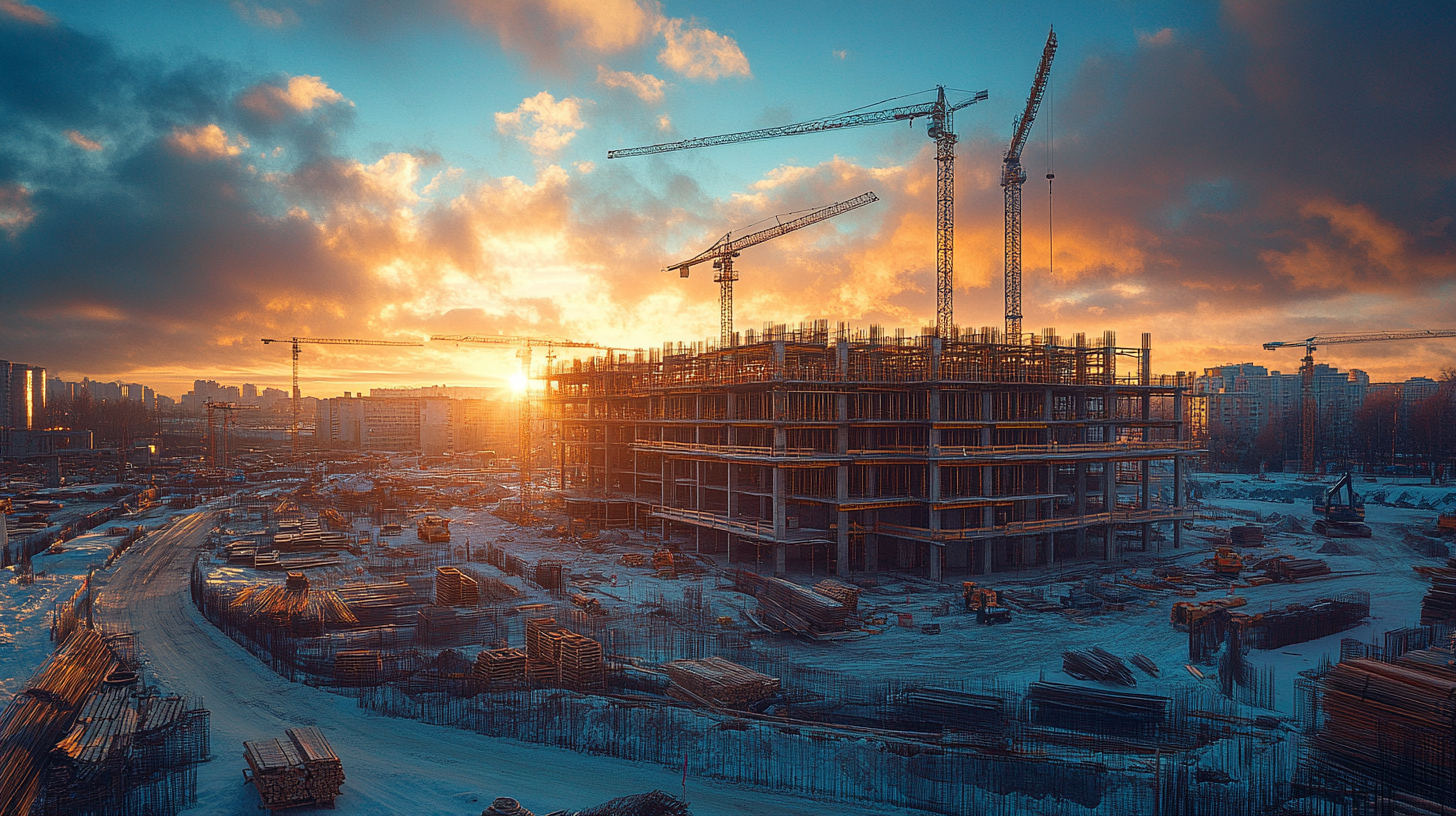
[(1049, 548), (1081, 508), (1178, 499), (1109, 501), (872, 542), (933, 556), (780, 520), (841, 523)]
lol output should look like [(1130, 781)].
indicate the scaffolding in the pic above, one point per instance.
[(871, 451)]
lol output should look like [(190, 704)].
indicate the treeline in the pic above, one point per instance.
[(1384, 431)]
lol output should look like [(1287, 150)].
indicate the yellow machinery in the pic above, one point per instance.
[(1227, 562)]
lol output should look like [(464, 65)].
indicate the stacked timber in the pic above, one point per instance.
[(444, 625), (1392, 723), (633, 559), (376, 604), (718, 682), (949, 708), (1439, 604), (496, 666), (1248, 535), (540, 651), (358, 667), (579, 663), (1295, 569), (301, 769), (846, 594), (455, 588), (793, 607), (307, 536), (433, 529), (1097, 664), (1097, 711)]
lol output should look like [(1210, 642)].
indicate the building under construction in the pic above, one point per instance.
[(863, 451)]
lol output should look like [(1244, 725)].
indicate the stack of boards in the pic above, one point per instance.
[(301, 769)]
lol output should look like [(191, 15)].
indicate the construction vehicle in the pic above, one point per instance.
[(296, 441), (1226, 562), (433, 529), (1186, 613), (941, 128), (1308, 412), (727, 248), (1341, 519), (985, 603), (1446, 523), (1012, 177)]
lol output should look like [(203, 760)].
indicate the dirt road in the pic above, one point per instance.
[(393, 766)]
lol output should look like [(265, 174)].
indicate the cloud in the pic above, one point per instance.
[(298, 94), (264, 16), (647, 87), (841, 54), (15, 210), (206, 142), (698, 53), (24, 12), (1156, 39), (544, 125), (75, 137), (551, 31), (664, 123)]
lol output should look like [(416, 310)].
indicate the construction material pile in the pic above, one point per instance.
[(455, 588), (1295, 569), (956, 709), (497, 666), (655, 803), (558, 656), (1096, 711), (1099, 665), (789, 606), (1247, 535), (717, 682), (1298, 623), (293, 605), (358, 667), (379, 604), (301, 769), (449, 626), (432, 529), (1391, 724), (307, 536), (1439, 604), (846, 594)]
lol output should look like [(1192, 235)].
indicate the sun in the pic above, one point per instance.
[(519, 383)]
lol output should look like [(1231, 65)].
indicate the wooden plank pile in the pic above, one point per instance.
[(633, 559), (301, 769), (1392, 723), (1439, 604), (949, 708), (358, 667), (497, 666), (1097, 711), (846, 594), (1248, 535), (307, 536), (455, 588), (1298, 623), (718, 682), (376, 604), (1099, 665), (444, 625), (558, 656), (1295, 569), (793, 607), (540, 662)]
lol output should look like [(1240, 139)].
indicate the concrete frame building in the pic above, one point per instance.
[(868, 452)]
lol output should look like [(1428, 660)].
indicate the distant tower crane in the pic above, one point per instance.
[(941, 129), (1012, 177), (728, 247), (213, 444), (323, 341), (524, 347), (1309, 415)]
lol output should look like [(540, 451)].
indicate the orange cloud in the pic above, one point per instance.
[(545, 28), (82, 142), (542, 123), (299, 95), (698, 53), (647, 87), (264, 16), (24, 12), (15, 210), (207, 142)]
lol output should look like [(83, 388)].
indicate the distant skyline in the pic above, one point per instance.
[(178, 181)]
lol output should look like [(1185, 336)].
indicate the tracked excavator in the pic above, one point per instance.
[(1341, 516)]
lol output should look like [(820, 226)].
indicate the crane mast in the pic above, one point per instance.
[(727, 248), (1012, 177), (297, 444), (1309, 413), (941, 128), (524, 347)]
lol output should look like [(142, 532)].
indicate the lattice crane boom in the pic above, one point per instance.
[(1012, 177), (727, 248), (1309, 414), (941, 128), (324, 341)]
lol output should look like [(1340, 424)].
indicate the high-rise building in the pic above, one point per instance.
[(22, 396)]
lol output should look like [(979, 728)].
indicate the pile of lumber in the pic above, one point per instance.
[(633, 559), (846, 594), (949, 708), (445, 625), (358, 667), (1248, 535), (718, 682), (556, 655), (455, 588), (1299, 623), (1097, 711), (432, 529), (495, 666), (375, 604), (793, 607), (293, 605), (301, 769), (307, 536), (1097, 664), (1294, 569), (1439, 604)]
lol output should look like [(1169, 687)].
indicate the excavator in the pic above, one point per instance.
[(985, 603), (1341, 516)]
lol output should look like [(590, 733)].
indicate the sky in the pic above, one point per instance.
[(178, 181)]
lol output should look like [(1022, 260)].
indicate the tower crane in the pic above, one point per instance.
[(941, 129), (524, 347), (1308, 413), (324, 341), (213, 445), (1012, 177), (727, 248)]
